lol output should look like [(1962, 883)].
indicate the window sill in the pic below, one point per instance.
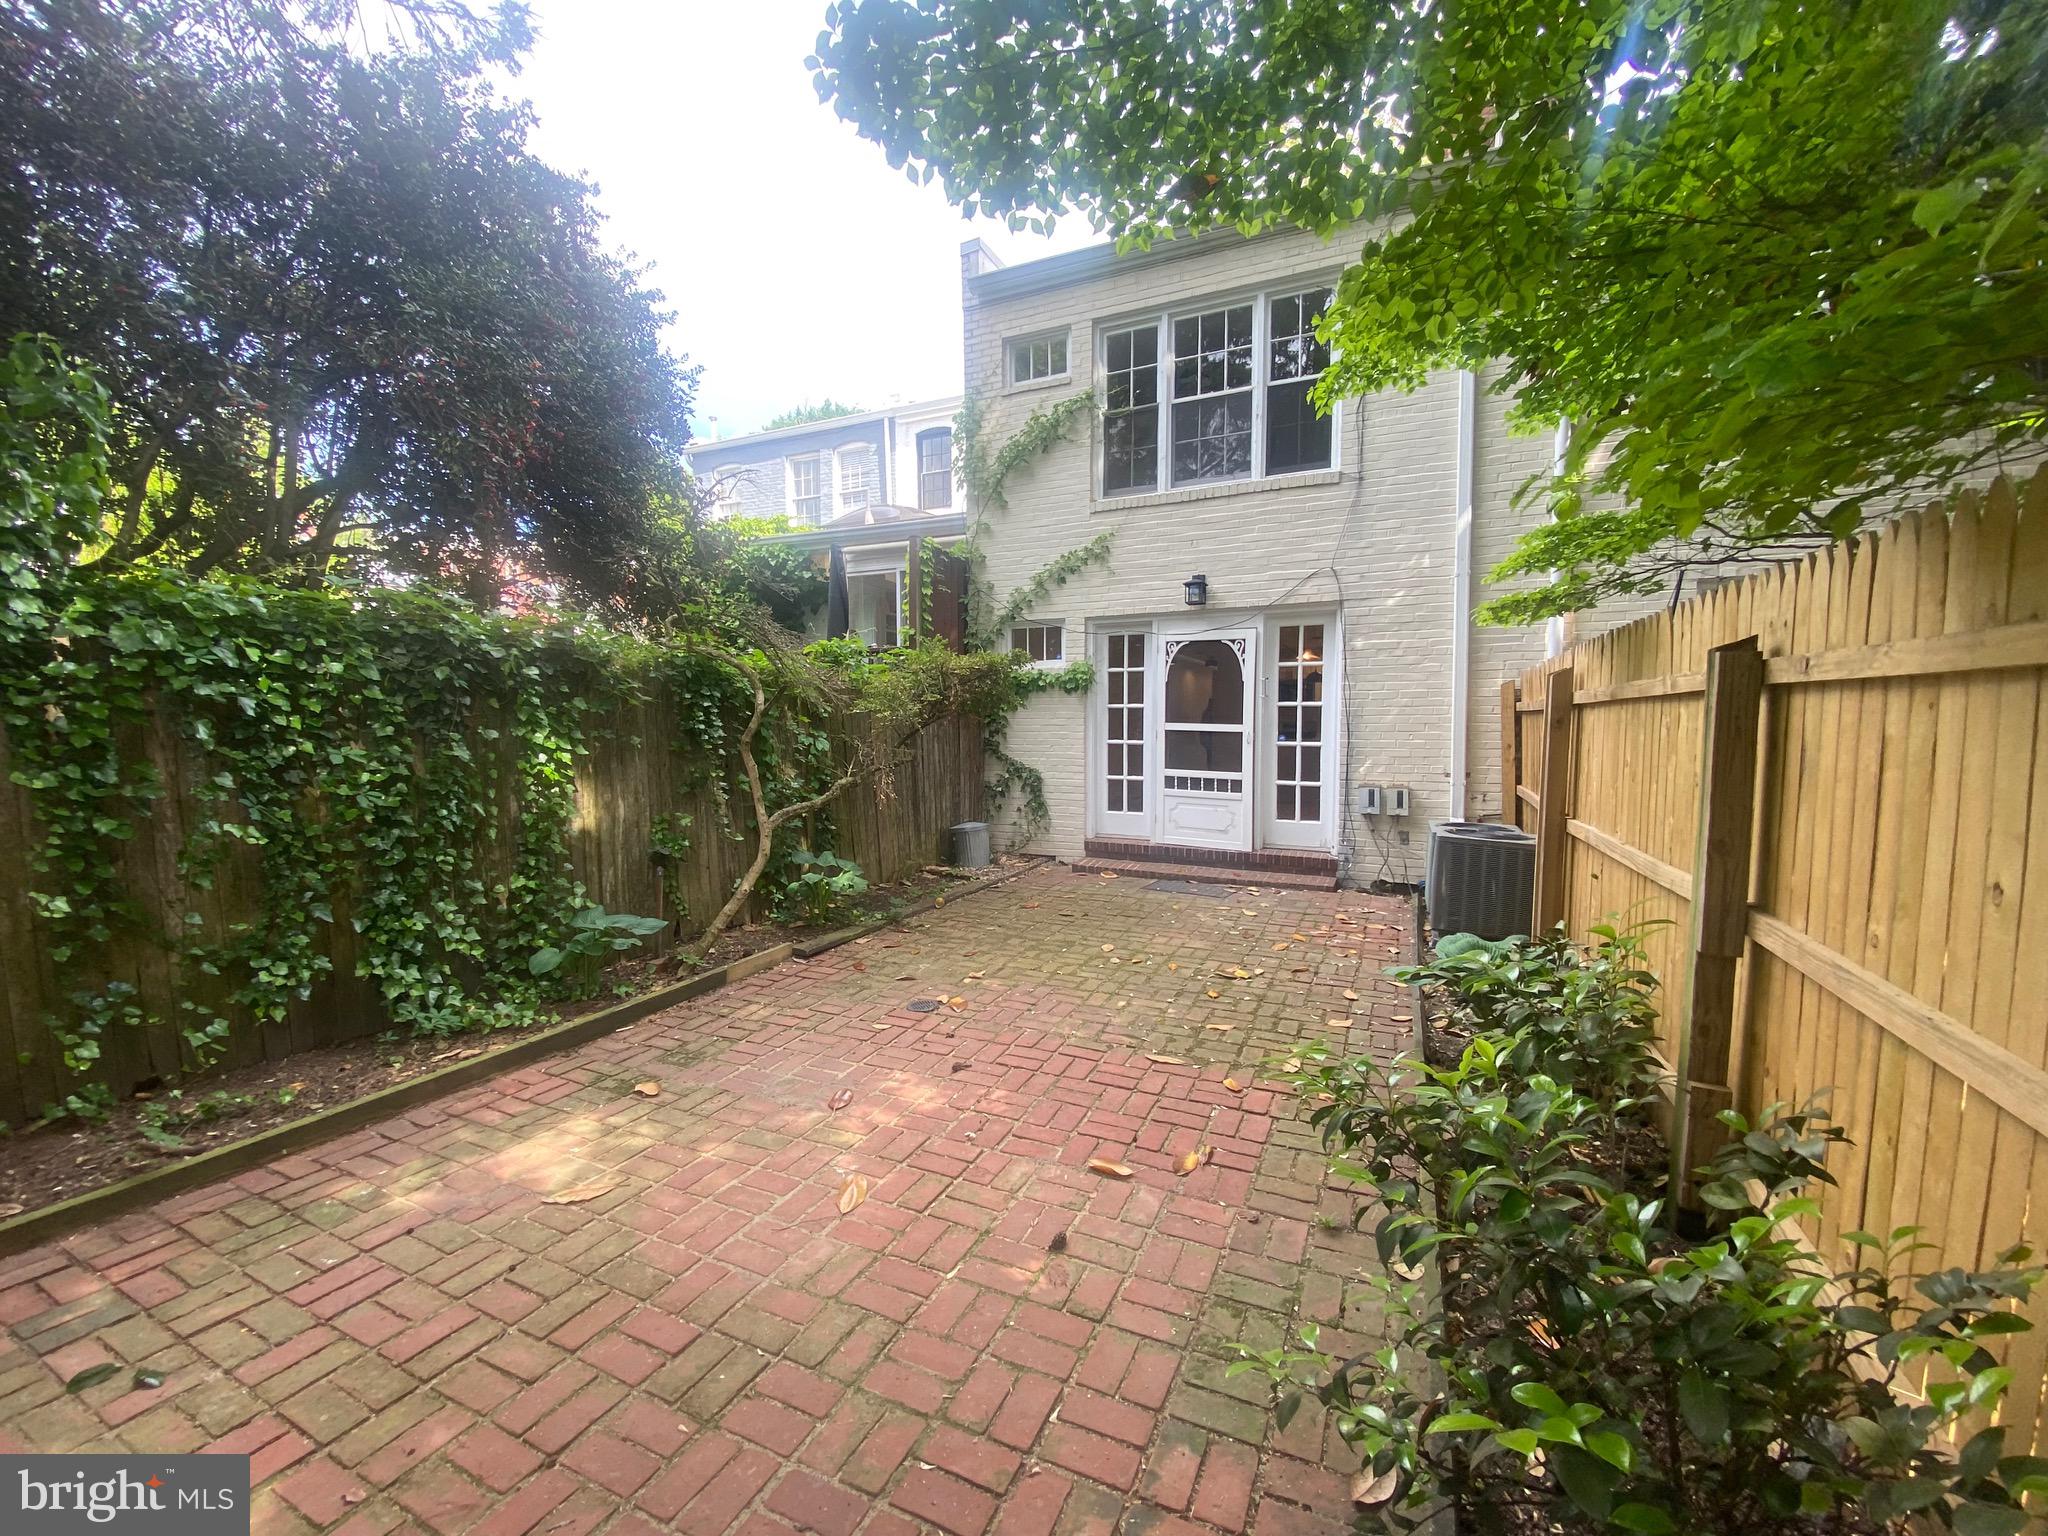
[(1050, 381), (1121, 503)]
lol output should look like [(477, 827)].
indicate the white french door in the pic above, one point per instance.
[(1122, 792), (1206, 755), (1297, 727)]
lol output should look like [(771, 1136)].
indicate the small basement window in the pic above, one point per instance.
[(1038, 357), (1043, 643)]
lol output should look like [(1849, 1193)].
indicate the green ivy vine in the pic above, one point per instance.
[(984, 471)]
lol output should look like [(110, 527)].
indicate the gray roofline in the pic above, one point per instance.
[(1094, 261), (830, 423)]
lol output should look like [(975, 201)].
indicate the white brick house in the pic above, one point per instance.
[(1342, 559)]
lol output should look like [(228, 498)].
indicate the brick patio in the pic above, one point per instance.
[(406, 1338)]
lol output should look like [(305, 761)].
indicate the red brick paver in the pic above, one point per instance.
[(405, 1336)]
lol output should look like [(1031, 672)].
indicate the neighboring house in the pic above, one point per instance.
[(1283, 619), (845, 465), (893, 578)]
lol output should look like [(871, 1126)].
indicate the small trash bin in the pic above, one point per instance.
[(970, 845)]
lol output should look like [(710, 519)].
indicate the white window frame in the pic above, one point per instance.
[(843, 460), (1261, 300), (725, 486), (1057, 626), (1063, 338), (917, 469), (815, 462)]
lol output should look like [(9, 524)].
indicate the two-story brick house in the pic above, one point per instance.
[(1283, 619)]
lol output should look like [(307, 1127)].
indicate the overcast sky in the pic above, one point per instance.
[(797, 264)]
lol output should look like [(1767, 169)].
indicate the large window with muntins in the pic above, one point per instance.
[(1212, 395), (1215, 395), (1130, 419)]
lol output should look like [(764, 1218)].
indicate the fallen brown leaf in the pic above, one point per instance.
[(1105, 1167), (1108, 949), (1166, 1061), (860, 965), (1219, 1027), (1369, 1492), (1233, 1085), (1214, 993), (1190, 1161), (1350, 996), (840, 1099), (852, 1192), (589, 1189), (648, 1090)]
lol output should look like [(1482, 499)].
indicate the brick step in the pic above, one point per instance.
[(1205, 874), (1266, 861)]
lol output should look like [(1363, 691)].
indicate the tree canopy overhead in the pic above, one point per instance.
[(344, 314), (1776, 261)]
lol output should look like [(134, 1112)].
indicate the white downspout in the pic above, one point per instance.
[(1554, 637), (1461, 590)]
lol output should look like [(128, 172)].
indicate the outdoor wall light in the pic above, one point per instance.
[(1196, 589)]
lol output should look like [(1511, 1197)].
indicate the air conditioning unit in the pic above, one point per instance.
[(1482, 878)]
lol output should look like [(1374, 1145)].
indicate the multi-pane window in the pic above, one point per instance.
[(1235, 382), (1296, 436), (853, 481), (1041, 642), (1130, 422), (935, 468), (1298, 729), (1124, 678), (726, 483), (1038, 357), (1212, 395), (806, 494)]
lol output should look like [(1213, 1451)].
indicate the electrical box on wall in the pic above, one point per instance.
[(1397, 799), (1368, 799)]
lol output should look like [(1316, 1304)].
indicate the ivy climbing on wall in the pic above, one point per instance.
[(1016, 786)]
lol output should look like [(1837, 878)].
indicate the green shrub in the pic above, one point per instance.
[(1583, 1363), (594, 936), (820, 890)]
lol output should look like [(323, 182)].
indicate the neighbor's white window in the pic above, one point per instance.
[(806, 494), (1213, 395), (1045, 643), (1038, 357), (934, 468), (853, 480), (725, 490)]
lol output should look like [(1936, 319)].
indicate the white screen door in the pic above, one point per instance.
[(1205, 747)]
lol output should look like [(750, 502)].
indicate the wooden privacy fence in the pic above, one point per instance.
[(1830, 784), (630, 777)]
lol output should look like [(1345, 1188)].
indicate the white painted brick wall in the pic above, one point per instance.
[(1373, 539)]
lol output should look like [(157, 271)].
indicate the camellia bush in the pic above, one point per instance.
[(1584, 1366)]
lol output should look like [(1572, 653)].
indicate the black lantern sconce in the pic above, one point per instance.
[(1196, 590)]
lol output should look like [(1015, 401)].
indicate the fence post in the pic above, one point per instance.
[(1510, 754), (1720, 904), (1551, 808)]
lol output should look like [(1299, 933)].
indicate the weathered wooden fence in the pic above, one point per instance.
[(630, 777), (1831, 784)]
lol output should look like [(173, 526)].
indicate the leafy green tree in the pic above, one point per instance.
[(827, 409), (1778, 262), (346, 317)]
